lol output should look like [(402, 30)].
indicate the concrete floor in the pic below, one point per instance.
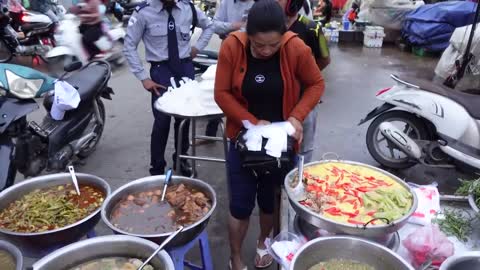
[(353, 78)]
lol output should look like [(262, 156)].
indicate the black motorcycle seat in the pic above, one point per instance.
[(88, 80), (28, 27), (469, 101)]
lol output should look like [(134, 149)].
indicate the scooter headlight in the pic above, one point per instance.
[(23, 88)]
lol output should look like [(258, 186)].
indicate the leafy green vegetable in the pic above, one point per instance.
[(456, 223), (470, 187)]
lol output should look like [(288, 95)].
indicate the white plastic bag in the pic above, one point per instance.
[(428, 243), (428, 203), (283, 247), (66, 98)]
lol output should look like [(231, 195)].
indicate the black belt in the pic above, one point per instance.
[(183, 61)]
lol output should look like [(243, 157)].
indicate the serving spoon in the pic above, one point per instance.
[(168, 177), (74, 178), (164, 243)]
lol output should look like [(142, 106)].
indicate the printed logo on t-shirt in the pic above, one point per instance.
[(259, 78)]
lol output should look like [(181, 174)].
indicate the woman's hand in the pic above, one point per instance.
[(298, 135)]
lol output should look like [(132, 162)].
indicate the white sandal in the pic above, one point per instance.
[(230, 265), (262, 253)]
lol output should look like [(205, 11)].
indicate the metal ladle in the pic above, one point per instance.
[(74, 178), (299, 189), (164, 243), (168, 177)]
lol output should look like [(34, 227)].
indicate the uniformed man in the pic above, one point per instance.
[(164, 26)]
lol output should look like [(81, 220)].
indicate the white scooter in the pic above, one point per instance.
[(69, 43), (426, 123)]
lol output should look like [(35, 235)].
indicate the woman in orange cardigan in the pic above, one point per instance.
[(259, 77)]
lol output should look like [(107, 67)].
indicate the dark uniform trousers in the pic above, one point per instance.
[(161, 74)]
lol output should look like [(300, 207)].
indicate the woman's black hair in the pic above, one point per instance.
[(266, 16)]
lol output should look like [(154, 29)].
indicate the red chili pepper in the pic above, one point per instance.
[(320, 181), (352, 215), (355, 206), (361, 200), (337, 182), (305, 203), (369, 178), (352, 221), (333, 211), (355, 193), (354, 180), (352, 201), (310, 188), (363, 189), (371, 213), (343, 198)]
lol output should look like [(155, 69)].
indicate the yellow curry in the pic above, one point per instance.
[(354, 194)]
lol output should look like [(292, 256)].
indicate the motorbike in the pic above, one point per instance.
[(69, 46), (422, 122), (203, 60), (29, 147), (425, 123), (123, 9), (34, 37)]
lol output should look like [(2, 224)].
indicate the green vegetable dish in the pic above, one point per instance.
[(50, 208), (113, 263), (341, 265)]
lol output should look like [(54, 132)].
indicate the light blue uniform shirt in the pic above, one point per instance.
[(150, 25), (231, 11)]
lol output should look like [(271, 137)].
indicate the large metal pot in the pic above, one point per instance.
[(466, 261), (35, 244), (15, 252), (347, 248), (473, 205), (188, 234), (102, 247), (370, 231)]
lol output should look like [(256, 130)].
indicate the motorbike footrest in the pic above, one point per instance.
[(38, 129)]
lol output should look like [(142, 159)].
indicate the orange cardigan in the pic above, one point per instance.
[(298, 66)]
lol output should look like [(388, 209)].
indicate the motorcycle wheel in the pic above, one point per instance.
[(393, 157), (5, 52), (98, 130)]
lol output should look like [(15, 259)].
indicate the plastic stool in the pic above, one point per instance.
[(178, 254)]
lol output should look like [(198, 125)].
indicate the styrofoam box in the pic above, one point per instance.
[(373, 36)]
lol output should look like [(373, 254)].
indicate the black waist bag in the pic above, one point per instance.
[(259, 161)]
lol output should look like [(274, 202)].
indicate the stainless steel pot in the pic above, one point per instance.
[(102, 247), (33, 244), (348, 248), (15, 252), (471, 201), (466, 261), (188, 234), (370, 231)]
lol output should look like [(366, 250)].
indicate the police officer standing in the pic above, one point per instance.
[(165, 26)]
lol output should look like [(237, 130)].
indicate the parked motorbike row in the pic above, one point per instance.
[(29, 33)]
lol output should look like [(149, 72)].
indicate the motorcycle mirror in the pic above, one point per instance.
[(72, 66)]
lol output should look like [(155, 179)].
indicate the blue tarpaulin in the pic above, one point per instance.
[(431, 26)]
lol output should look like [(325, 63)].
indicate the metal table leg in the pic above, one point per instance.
[(194, 143), (180, 145)]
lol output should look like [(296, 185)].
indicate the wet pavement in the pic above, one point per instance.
[(353, 78)]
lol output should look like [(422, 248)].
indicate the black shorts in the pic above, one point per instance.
[(244, 187)]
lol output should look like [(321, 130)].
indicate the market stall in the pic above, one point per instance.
[(321, 234)]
